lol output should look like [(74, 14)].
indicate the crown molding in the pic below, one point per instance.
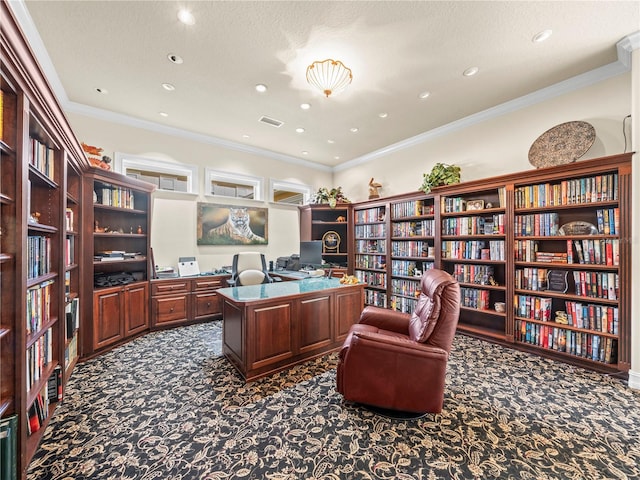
[(625, 46)]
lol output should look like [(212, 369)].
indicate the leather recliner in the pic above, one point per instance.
[(398, 361)]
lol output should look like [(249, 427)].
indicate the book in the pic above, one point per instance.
[(9, 448)]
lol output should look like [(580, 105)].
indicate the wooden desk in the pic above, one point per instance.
[(271, 327)]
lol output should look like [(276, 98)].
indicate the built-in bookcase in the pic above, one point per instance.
[(41, 164), (371, 251)]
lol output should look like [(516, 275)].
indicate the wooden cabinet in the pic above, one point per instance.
[(333, 225), (185, 300), (115, 241), (40, 170)]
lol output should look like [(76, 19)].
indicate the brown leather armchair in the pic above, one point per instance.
[(398, 361)]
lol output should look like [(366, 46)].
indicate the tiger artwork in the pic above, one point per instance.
[(236, 229)]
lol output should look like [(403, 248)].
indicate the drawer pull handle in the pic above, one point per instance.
[(208, 304)]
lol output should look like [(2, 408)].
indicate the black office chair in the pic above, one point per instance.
[(249, 268)]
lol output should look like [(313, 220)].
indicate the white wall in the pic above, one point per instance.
[(499, 145), (173, 225)]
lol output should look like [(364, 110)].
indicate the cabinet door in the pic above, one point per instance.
[(137, 308), (170, 309), (108, 309), (207, 305)]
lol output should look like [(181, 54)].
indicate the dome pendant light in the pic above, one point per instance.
[(329, 76)]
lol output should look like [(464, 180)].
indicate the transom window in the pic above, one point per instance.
[(289, 193), (234, 185)]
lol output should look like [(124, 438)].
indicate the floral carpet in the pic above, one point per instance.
[(169, 406)]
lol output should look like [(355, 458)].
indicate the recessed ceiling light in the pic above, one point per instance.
[(168, 87), (261, 88), (305, 106), (542, 36), (353, 129), (383, 114), (164, 114), (186, 17), (103, 91), (300, 130), (173, 58), (304, 152), (331, 141), (424, 95), (471, 71), (245, 136), (336, 158)]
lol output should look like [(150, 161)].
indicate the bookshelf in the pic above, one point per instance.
[(116, 241), (41, 164), (371, 243), (523, 246), (318, 222)]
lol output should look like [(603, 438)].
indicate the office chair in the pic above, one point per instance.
[(396, 361), (249, 268)]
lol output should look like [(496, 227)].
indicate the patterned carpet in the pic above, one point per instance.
[(169, 406)]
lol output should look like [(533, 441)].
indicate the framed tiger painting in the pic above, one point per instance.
[(232, 225)]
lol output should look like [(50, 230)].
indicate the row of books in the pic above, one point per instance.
[(38, 256), (370, 261), (370, 231), (404, 287), (38, 411), (595, 251), (113, 196), (38, 306), (69, 251), (375, 279), (535, 308), (475, 298), (608, 221), (369, 215), (602, 318), (604, 285), (72, 317), (403, 304), (42, 157), (371, 246), (39, 355), (474, 225), (413, 248), (375, 298), (407, 268), (598, 188), (422, 228), (473, 250), (411, 208), (479, 274), (538, 224), (68, 220), (531, 278), (581, 344)]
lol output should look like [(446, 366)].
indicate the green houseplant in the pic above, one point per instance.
[(331, 197), (440, 174)]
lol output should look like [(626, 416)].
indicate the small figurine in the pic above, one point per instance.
[(98, 229), (34, 217), (373, 189), (139, 231), (341, 219)]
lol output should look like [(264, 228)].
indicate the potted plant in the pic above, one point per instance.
[(331, 197), (441, 174)]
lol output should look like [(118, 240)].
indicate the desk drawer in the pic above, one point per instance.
[(211, 283), (169, 309), (207, 305), (174, 286)]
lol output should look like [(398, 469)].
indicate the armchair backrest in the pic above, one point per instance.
[(435, 317), (249, 268)]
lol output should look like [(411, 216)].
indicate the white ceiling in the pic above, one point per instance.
[(396, 49)]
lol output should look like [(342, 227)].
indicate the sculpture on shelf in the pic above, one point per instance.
[(95, 157), (374, 189)]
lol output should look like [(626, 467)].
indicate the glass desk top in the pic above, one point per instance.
[(279, 289)]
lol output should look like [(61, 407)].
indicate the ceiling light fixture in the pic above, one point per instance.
[(329, 76), (383, 114), (542, 36), (424, 95), (103, 91), (173, 58), (299, 130), (471, 71), (354, 129), (305, 106), (164, 114), (186, 17), (261, 88), (168, 87)]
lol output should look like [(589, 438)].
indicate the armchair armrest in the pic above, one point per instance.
[(385, 319), (388, 343)]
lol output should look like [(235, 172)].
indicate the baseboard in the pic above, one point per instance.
[(634, 380)]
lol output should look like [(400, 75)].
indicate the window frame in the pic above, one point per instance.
[(125, 162), (302, 188)]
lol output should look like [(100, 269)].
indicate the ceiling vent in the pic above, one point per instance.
[(271, 121)]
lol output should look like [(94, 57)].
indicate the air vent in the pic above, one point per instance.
[(271, 121)]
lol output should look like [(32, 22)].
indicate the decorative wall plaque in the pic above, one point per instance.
[(557, 281), (562, 144)]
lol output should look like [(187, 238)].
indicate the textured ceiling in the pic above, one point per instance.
[(396, 50)]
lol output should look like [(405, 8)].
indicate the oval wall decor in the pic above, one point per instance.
[(564, 143)]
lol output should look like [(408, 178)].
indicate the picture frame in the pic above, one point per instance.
[(231, 225), (475, 205)]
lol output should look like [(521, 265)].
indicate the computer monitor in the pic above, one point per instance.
[(311, 254)]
